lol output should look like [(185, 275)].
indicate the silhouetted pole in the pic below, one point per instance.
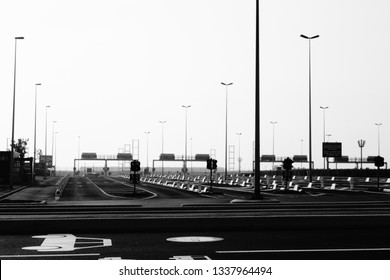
[(45, 169), (239, 152), (379, 143), (147, 150), (324, 108), (226, 126), (310, 157), (185, 139), (273, 142), (52, 145), (35, 131), (257, 194), (162, 146), (11, 174)]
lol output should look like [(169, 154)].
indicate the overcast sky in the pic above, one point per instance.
[(111, 70)]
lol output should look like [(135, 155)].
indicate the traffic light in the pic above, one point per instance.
[(214, 165), (287, 164), (209, 163), (135, 166)]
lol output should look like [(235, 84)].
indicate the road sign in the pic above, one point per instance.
[(379, 161), (331, 149)]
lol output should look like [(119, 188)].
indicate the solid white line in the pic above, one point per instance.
[(53, 255), (114, 196), (303, 250)]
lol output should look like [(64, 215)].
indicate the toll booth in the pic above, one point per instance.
[(22, 170)]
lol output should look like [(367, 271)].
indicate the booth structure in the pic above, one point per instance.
[(22, 169)]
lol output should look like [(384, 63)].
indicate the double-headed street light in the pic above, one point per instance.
[(11, 177), (226, 127), (310, 157), (361, 144), (185, 139)]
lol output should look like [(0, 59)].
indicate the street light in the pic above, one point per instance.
[(310, 158), (78, 155), (162, 146), (52, 144), (147, 150), (185, 155), (35, 130), (324, 108), (379, 147), (55, 153), (11, 177), (239, 152), (257, 194), (226, 86), (273, 141), (44, 175), (361, 144)]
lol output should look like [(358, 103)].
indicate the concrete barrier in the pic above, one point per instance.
[(60, 186)]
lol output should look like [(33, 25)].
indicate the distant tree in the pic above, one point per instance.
[(21, 147)]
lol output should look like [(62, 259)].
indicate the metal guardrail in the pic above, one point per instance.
[(60, 186)]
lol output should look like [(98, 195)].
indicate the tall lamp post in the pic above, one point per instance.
[(162, 146), (226, 125), (273, 142), (147, 150), (78, 155), (35, 130), (323, 109), (185, 139), (361, 144), (379, 146), (11, 177), (239, 153), (310, 154), (55, 153), (52, 145), (45, 169), (257, 194)]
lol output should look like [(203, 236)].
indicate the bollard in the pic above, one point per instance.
[(351, 184)]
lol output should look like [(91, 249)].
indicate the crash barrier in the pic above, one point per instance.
[(60, 186)]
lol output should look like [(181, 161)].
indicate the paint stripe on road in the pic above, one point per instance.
[(49, 255)]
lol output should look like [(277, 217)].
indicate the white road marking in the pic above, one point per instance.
[(194, 239), (129, 185), (52, 255), (115, 196), (67, 242), (303, 250)]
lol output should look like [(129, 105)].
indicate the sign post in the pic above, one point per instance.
[(135, 166), (211, 164), (379, 162), (287, 165)]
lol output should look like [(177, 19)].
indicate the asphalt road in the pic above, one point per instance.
[(249, 245)]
